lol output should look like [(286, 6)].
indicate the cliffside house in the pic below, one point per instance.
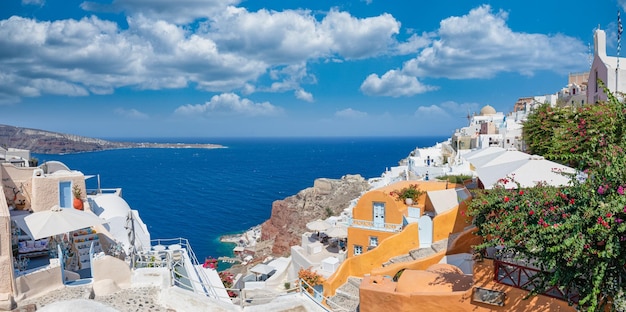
[(379, 214)]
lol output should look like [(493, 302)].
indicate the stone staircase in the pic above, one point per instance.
[(419, 253), (346, 298)]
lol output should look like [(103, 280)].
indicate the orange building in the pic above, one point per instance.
[(383, 227), (379, 214), (434, 286)]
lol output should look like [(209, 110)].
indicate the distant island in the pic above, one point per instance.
[(46, 142)]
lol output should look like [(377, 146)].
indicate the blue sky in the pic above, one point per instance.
[(230, 68)]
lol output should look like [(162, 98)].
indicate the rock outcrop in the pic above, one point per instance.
[(289, 216)]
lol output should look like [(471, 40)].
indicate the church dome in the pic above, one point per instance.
[(487, 110)]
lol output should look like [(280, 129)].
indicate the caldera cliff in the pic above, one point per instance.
[(289, 216)]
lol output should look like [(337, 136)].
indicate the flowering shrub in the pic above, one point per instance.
[(576, 235), (210, 263), (311, 278), (227, 280), (412, 191)]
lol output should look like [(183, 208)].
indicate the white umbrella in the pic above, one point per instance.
[(57, 221), (337, 232), (483, 152), (498, 158), (318, 225), (526, 172)]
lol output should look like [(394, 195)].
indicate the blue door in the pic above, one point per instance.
[(65, 194), (379, 215)]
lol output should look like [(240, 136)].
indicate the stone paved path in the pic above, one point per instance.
[(127, 300)]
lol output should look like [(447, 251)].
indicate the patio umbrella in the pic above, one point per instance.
[(57, 221), (337, 232), (318, 225), (483, 152), (498, 158), (527, 172)]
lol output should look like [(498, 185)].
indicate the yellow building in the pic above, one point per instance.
[(435, 286), (379, 214), (384, 227)]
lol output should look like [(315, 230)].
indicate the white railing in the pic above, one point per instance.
[(153, 259), (371, 225)]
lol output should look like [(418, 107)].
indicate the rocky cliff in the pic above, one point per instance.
[(289, 216), (46, 142)]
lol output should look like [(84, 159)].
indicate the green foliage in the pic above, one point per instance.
[(412, 191), (329, 212), (571, 136), (455, 178), (576, 235)]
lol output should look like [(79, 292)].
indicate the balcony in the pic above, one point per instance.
[(370, 225)]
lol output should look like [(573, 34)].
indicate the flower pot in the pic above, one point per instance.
[(78, 203), (409, 201)]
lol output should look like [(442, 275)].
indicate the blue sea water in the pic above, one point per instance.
[(202, 194)]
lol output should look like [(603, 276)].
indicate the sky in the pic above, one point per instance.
[(295, 68)]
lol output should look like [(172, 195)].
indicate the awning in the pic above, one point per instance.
[(262, 269)]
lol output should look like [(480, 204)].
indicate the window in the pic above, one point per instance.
[(358, 250), (65, 194), (373, 241)]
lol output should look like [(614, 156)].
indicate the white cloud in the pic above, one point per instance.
[(231, 50), (355, 38), (476, 45), (131, 113), (303, 95), (393, 83), (430, 110), (350, 113), (229, 104), (448, 109), (481, 45), (95, 55), (414, 44), (34, 2), (179, 12), (291, 36)]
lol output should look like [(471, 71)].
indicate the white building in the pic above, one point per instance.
[(489, 128), (604, 68)]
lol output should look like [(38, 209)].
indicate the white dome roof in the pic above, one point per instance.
[(487, 110), (108, 206)]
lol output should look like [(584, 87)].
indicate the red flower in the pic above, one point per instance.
[(521, 192), (531, 212), (506, 199)]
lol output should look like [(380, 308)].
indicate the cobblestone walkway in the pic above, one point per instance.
[(127, 300)]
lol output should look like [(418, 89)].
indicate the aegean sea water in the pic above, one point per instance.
[(202, 194)]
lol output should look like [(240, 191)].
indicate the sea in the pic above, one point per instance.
[(203, 194)]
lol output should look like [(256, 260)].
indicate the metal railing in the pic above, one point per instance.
[(371, 225), (154, 258), (186, 280), (527, 278)]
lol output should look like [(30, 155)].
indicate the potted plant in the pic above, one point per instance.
[(408, 194), (78, 201)]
